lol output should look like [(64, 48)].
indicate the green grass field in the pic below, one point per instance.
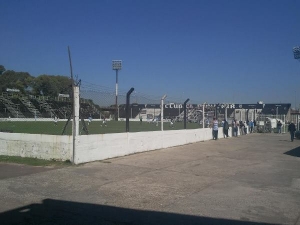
[(33, 161), (37, 127)]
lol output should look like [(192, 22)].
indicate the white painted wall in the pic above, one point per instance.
[(97, 147), (36, 146)]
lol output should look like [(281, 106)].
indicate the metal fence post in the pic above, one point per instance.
[(184, 111), (162, 112), (127, 108)]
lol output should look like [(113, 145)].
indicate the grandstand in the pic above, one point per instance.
[(22, 106)]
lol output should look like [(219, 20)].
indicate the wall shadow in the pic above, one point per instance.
[(56, 212), (294, 152)]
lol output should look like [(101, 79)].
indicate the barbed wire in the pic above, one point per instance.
[(105, 96)]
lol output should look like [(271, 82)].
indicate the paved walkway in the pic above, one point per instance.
[(253, 179)]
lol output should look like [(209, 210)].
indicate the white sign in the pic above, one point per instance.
[(12, 90), (64, 95)]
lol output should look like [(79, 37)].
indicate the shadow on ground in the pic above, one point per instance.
[(294, 152), (64, 212)]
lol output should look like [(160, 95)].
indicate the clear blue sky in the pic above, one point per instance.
[(214, 50)]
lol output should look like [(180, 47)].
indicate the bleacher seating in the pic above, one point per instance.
[(134, 110), (87, 110), (41, 109), (4, 113), (11, 107), (171, 113), (21, 106), (273, 109)]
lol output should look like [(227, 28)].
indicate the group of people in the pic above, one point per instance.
[(291, 129), (236, 126), (242, 127)]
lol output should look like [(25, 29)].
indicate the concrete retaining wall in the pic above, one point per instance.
[(97, 147), (36, 146)]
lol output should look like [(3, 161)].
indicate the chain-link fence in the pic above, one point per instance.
[(98, 111), (102, 111)]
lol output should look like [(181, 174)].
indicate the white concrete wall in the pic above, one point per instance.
[(97, 147), (36, 146)]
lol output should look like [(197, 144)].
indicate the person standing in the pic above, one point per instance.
[(171, 123), (104, 122), (292, 129), (245, 127), (215, 128), (234, 128), (55, 121), (242, 131), (225, 128), (254, 125), (251, 125), (279, 125)]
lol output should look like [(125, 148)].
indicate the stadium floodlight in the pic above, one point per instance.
[(162, 112), (296, 51), (117, 65)]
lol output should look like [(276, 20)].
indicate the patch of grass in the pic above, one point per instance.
[(33, 161), (95, 127)]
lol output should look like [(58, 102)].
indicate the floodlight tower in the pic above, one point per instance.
[(116, 65), (296, 51)]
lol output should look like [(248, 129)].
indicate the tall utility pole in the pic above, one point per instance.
[(296, 51), (116, 65), (203, 115)]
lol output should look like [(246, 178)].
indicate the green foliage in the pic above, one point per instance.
[(16, 80), (2, 69), (52, 85), (33, 161), (47, 85)]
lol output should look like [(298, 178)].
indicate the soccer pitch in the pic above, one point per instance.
[(95, 127)]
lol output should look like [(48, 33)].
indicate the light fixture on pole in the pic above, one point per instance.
[(116, 65), (162, 112), (296, 51)]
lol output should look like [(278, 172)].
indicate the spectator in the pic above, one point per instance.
[(292, 129), (225, 128), (242, 128), (251, 125), (279, 125), (254, 125), (234, 128), (245, 127), (215, 128)]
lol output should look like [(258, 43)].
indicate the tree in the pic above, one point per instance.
[(15, 80), (51, 85), (2, 69)]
